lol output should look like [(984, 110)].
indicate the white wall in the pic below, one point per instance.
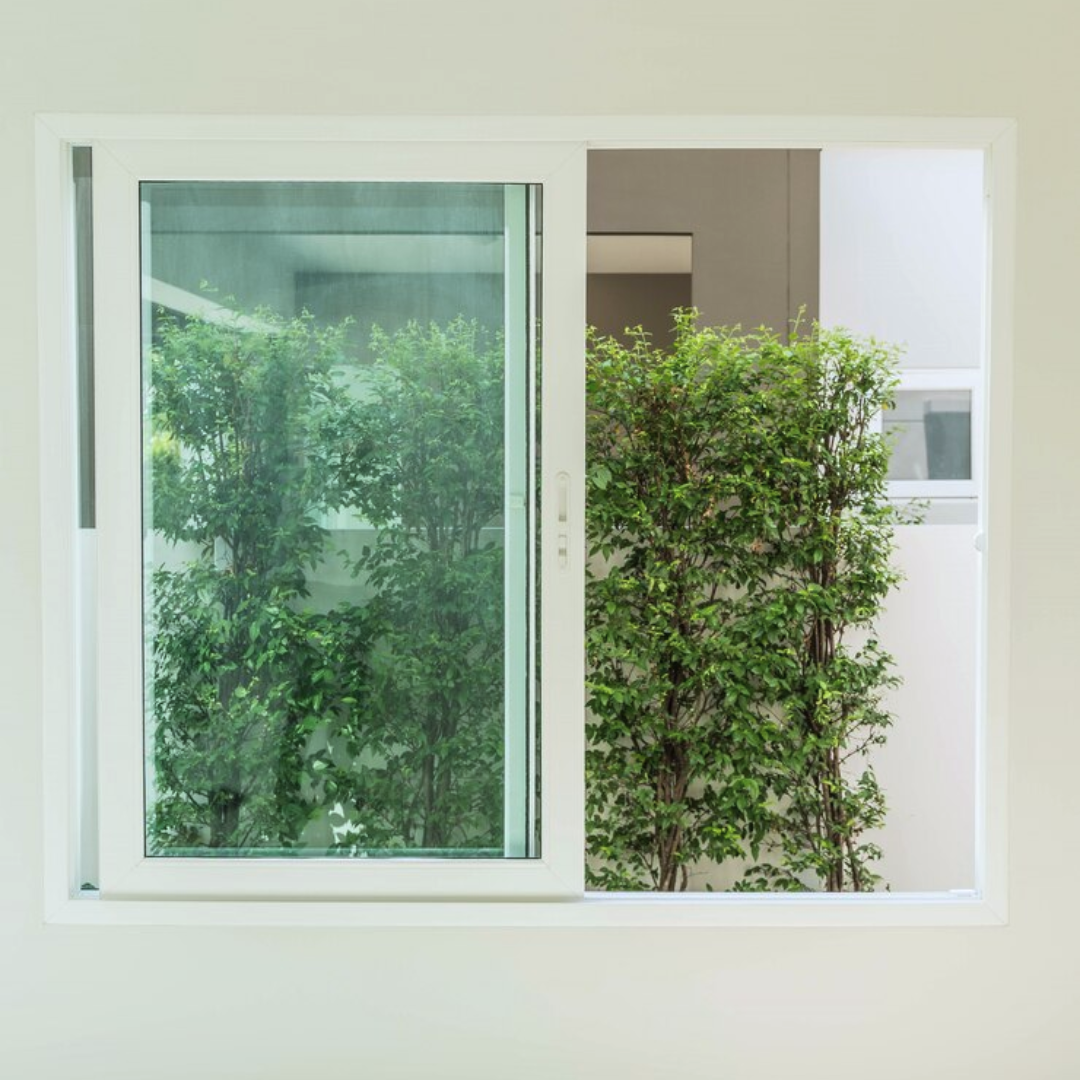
[(902, 251), (165, 1003), (927, 768), (903, 258)]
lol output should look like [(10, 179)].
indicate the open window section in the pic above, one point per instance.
[(339, 498), (783, 658)]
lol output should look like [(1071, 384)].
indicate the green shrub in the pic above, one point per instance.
[(738, 528)]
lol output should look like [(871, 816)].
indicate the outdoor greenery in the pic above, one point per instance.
[(740, 548), (827, 465), (676, 758), (740, 543), (382, 719), (433, 416), (239, 469)]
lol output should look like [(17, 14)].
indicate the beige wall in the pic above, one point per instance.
[(167, 1003)]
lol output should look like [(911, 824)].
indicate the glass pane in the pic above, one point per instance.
[(338, 508), (932, 432)]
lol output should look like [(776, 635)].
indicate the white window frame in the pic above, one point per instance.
[(474, 148), (964, 379)]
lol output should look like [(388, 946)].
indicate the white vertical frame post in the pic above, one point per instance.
[(118, 328), (562, 454), (86, 537), (62, 614), (995, 520), (146, 337), (536, 488)]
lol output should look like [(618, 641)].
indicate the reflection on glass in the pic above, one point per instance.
[(336, 518), (932, 435)]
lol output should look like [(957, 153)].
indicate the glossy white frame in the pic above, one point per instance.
[(477, 142)]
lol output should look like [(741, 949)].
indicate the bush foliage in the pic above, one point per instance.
[(381, 719), (740, 543)]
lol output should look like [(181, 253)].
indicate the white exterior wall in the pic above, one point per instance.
[(169, 1003), (903, 259), (902, 250), (927, 768)]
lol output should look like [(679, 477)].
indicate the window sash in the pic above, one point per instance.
[(125, 871)]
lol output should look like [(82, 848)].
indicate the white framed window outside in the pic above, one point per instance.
[(936, 422), (507, 891)]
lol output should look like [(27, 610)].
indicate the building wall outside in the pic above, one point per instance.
[(753, 215)]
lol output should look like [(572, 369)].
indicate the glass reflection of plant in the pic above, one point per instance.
[(241, 463), (433, 491), (382, 719)]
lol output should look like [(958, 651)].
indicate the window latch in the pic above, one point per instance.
[(562, 509)]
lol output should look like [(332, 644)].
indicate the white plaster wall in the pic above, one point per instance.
[(168, 1003)]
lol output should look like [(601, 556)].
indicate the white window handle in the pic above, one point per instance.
[(562, 513)]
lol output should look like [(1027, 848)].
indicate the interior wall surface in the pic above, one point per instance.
[(166, 1002), (620, 302)]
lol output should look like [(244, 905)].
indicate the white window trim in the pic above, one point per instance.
[(262, 136)]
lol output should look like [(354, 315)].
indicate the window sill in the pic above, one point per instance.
[(593, 911)]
